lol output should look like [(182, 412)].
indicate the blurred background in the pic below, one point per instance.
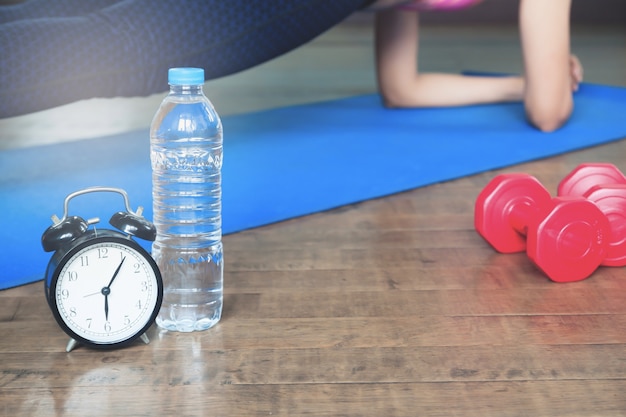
[(340, 63)]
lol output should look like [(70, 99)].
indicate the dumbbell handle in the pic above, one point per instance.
[(521, 215)]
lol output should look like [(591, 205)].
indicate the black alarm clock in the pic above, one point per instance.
[(102, 287)]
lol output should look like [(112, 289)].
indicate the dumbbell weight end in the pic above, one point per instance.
[(571, 242), (505, 208)]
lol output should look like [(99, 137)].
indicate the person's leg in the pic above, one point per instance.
[(127, 48), (37, 9)]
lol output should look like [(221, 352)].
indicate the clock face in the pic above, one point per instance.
[(108, 291)]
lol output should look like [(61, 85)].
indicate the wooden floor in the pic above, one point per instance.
[(389, 307)]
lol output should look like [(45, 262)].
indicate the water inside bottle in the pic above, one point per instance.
[(188, 248), (193, 291)]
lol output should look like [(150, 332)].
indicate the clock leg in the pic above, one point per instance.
[(144, 338), (71, 345)]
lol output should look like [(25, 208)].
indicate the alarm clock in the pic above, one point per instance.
[(103, 288)]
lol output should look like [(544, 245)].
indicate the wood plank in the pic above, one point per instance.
[(539, 398), (141, 367), (393, 303), (339, 333)]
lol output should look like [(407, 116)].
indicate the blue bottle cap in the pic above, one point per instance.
[(185, 76)]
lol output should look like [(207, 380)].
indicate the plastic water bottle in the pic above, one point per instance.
[(186, 156)]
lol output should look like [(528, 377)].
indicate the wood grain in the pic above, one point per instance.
[(376, 308)]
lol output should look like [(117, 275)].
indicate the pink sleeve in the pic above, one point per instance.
[(438, 4)]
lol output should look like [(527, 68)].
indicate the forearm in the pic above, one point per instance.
[(441, 90)]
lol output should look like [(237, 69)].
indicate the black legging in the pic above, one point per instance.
[(55, 52)]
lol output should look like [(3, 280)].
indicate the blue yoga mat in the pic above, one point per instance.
[(289, 162)]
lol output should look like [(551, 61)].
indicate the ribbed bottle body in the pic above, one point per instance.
[(186, 155)]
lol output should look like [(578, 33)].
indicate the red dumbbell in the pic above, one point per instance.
[(565, 237), (605, 185)]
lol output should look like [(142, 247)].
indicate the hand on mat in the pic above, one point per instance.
[(576, 72)]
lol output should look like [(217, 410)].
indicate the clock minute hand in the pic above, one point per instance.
[(117, 271)]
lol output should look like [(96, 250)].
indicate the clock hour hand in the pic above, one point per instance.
[(107, 290)]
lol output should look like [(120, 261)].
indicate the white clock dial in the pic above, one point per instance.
[(107, 292)]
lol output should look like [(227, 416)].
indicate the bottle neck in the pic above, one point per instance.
[(186, 89)]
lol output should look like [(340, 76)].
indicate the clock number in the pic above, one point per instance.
[(73, 312), (137, 267), (107, 327), (138, 305), (103, 253), (89, 322), (126, 320), (144, 286), (65, 294), (84, 260), (72, 276)]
